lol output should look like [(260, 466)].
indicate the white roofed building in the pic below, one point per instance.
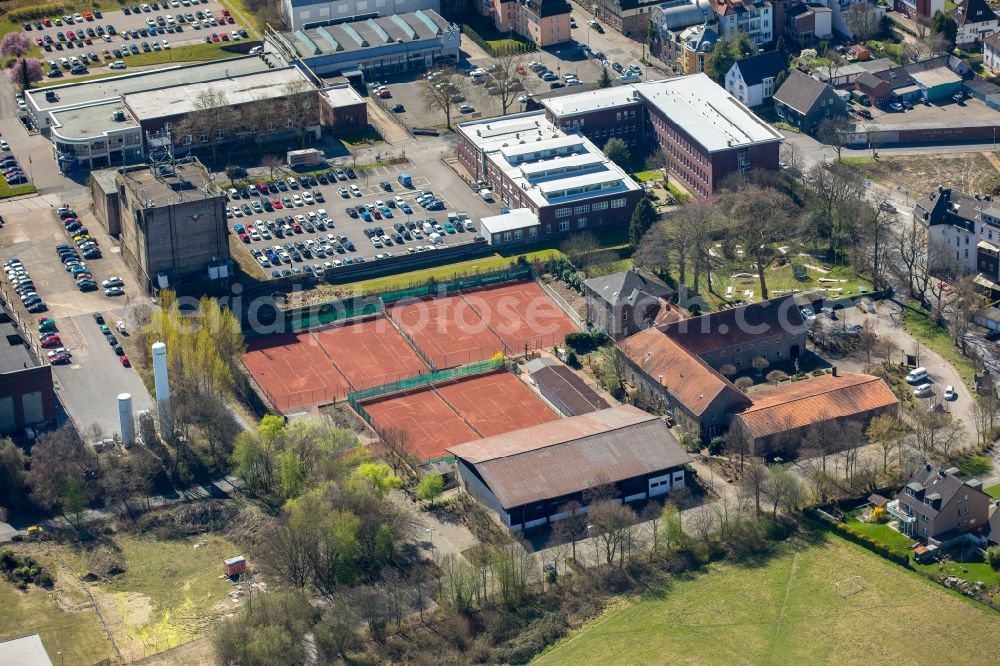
[(535, 168), (706, 133)]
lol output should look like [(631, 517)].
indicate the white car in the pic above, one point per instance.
[(297, 200), (355, 190), (808, 314), (59, 350), (117, 64), (4, 145), (120, 326), (949, 393), (322, 213), (113, 282), (923, 391), (399, 200), (308, 198), (165, 43)]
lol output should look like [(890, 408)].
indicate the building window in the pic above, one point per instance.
[(564, 225), (600, 205), (518, 234), (580, 210), (581, 223), (563, 212), (533, 232), (220, 134), (506, 236), (186, 141), (618, 203)]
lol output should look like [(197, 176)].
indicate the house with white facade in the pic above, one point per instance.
[(751, 80), (956, 223), (991, 52), (754, 17), (976, 21)]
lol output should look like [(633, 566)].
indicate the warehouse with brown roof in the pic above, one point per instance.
[(527, 476), (790, 408)]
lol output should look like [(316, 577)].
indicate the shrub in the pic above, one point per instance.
[(717, 445), (993, 557), (34, 12), (584, 343)]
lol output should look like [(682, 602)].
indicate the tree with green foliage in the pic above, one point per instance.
[(993, 557), (618, 152), (945, 27), (643, 218), (379, 477), (604, 80), (269, 632), (430, 487), (13, 464), (719, 61)]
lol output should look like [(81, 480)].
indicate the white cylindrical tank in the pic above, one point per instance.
[(126, 420), (162, 385)]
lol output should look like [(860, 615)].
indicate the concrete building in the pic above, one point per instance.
[(976, 21), (754, 17), (918, 8), (173, 225), (373, 46), (751, 80), (706, 134), (527, 476), (517, 226), (27, 396), (561, 178), (303, 13), (88, 123), (804, 102), (545, 22), (779, 418), (939, 507), (956, 223), (623, 303)]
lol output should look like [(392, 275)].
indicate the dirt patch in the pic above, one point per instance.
[(569, 295), (918, 174)]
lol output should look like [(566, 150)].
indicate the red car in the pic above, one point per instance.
[(47, 22), (70, 35), (230, 20), (295, 227), (375, 213), (88, 16), (215, 38), (224, 36), (39, 41), (60, 359), (125, 362), (225, 12), (245, 237), (262, 187), (53, 341), (276, 204)]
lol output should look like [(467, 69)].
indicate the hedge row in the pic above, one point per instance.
[(35, 12), (891, 554)]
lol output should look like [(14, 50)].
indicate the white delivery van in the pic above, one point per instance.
[(435, 238), (916, 375), (428, 229), (486, 194)]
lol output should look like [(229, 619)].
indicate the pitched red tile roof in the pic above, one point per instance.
[(718, 330)]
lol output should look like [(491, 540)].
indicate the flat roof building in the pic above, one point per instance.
[(27, 396), (706, 133), (173, 225), (528, 475), (24, 651), (374, 45), (304, 13), (535, 168)]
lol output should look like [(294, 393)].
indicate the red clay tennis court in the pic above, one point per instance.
[(522, 314), (369, 352), (496, 403), (447, 330), (459, 411), (293, 371)]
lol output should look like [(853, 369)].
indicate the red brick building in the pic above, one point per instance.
[(27, 396), (705, 133)]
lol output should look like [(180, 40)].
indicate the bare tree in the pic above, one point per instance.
[(875, 229), (260, 118), (398, 443), (885, 431), (864, 19), (760, 218), (760, 364), (573, 527), (612, 525), (822, 439), (506, 82), (272, 163), (936, 431), (834, 133), (738, 443), (912, 252), (775, 377), (784, 490), (752, 482), (301, 108), (437, 93), (691, 229), (210, 122)]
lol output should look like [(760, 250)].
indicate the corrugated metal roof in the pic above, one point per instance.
[(689, 379), (567, 390), (571, 455), (798, 404)]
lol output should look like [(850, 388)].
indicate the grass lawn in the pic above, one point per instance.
[(968, 571), (993, 491), (7, 191), (787, 611), (170, 593), (918, 324), (884, 534), (189, 53), (76, 631), (368, 136), (974, 465)]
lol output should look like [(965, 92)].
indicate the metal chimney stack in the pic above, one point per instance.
[(126, 420), (162, 385)]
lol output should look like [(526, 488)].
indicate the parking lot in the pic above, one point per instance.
[(322, 236), (87, 387), (176, 34), (946, 111)]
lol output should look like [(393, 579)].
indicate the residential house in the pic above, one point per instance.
[(860, 52), (694, 44), (528, 476), (940, 507), (669, 19), (975, 20), (754, 17), (629, 301), (991, 534), (915, 9), (809, 21), (991, 52), (804, 102), (779, 418), (545, 22), (878, 90), (841, 10), (956, 224), (751, 80), (629, 17)]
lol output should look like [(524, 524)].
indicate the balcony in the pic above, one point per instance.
[(906, 520)]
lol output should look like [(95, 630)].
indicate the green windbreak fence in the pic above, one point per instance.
[(333, 312), (518, 272), (425, 380)]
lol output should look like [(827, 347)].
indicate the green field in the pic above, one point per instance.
[(788, 611), (7, 191), (882, 533), (918, 324), (993, 491)]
